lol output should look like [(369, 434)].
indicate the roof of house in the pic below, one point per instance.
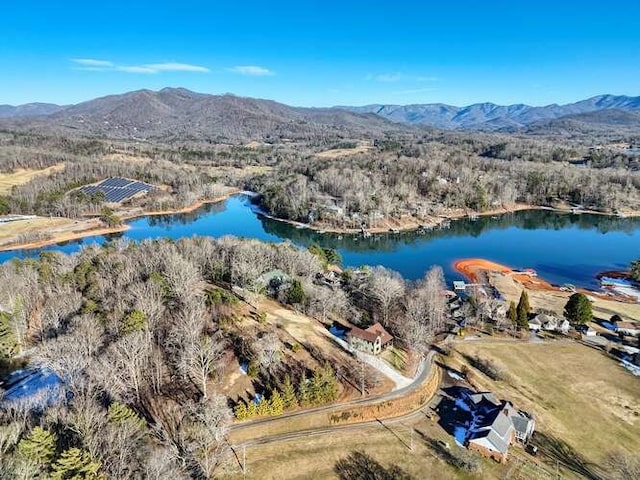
[(625, 325), (271, 275), (488, 438), (363, 334), (372, 333), (544, 318), (521, 422), (480, 397), (378, 329)]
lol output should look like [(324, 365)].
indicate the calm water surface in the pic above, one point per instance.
[(563, 248)]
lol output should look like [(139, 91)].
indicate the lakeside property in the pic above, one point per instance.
[(562, 248)]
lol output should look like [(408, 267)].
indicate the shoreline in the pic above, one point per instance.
[(435, 222), (70, 236), (411, 225), (471, 267)]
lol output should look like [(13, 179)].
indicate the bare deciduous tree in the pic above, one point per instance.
[(387, 287)]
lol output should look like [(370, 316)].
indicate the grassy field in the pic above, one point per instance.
[(585, 404), (316, 457), (343, 152), (22, 176), (39, 224), (556, 301)]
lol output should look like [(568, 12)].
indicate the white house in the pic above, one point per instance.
[(628, 328)]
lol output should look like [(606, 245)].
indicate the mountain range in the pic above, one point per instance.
[(492, 117), (29, 110), (182, 115)]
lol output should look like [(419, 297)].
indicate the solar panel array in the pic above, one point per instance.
[(117, 190)]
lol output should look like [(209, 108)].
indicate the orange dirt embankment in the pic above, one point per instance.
[(471, 267)]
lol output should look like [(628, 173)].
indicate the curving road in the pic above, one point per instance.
[(424, 371)]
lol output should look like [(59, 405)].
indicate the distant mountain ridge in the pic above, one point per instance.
[(182, 115), (492, 117), (29, 110)]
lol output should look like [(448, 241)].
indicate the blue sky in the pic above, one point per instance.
[(314, 53)]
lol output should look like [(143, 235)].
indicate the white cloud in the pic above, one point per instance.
[(92, 62), (93, 65), (135, 69), (252, 70), (176, 67), (389, 77)]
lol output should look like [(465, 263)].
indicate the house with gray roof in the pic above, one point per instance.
[(495, 425)]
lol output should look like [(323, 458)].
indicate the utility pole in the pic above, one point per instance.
[(362, 377), (411, 439), (244, 461)]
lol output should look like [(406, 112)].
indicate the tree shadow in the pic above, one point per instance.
[(360, 466), (558, 450)]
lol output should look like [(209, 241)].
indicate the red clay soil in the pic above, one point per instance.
[(470, 267)]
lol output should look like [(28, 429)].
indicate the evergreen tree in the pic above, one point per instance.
[(119, 413), (289, 394), (276, 403), (4, 205), (523, 310), (513, 314), (304, 397), (635, 270), (8, 344), (39, 446), (252, 409), (76, 464), (578, 309), (134, 322), (296, 293), (263, 407), (323, 387), (241, 411)]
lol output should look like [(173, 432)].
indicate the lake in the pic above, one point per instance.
[(561, 247)]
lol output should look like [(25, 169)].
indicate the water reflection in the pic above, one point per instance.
[(564, 248)]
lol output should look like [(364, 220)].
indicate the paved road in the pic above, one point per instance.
[(423, 373), (332, 429)]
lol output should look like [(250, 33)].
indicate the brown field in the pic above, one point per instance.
[(315, 457), (22, 176), (39, 224), (343, 152), (579, 396), (555, 299)]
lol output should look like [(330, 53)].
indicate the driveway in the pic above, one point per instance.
[(379, 364)]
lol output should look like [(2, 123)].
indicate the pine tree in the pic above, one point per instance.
[(241, 411), (523, 310), (252, 409), (276, 403), (296, 293), (304, 397), (76, 464), (39, 446), (134, 322), (8, 344), (578, 309), (118, 413), (323, 387), (289, 394), (263, 407), (513, 314)]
